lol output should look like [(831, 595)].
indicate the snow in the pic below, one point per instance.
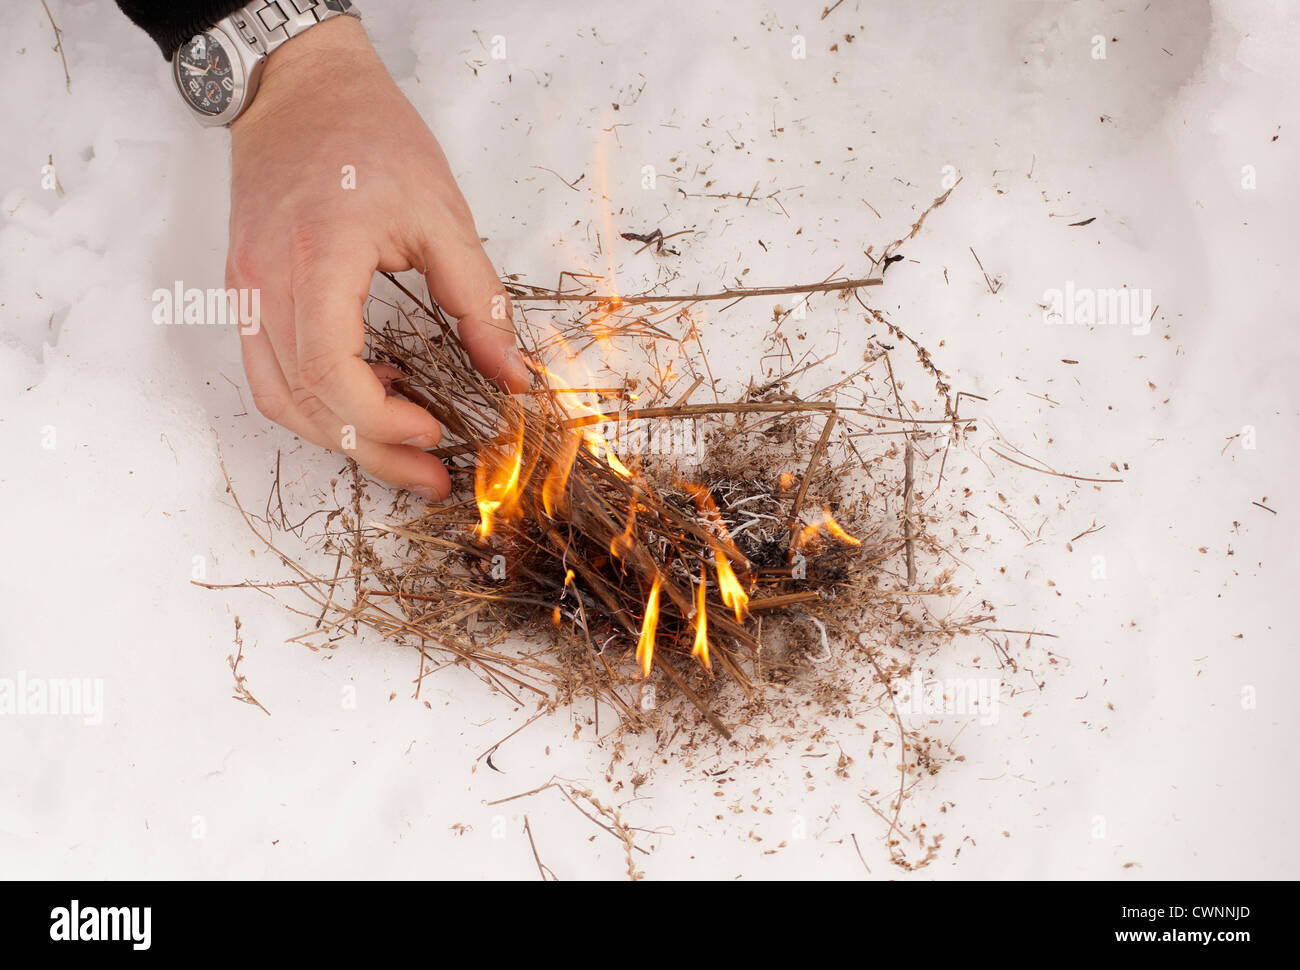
[(1162, 736)]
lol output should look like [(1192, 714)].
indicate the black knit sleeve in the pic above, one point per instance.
[(172, 22)]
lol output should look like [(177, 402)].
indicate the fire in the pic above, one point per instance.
[(554, 498), (604, 333), (496, 481), (709, 511), (834, 529), (645, 646), (622, 543), (827, 525), (730, 587), (566, 397), (569, 401), (806, 535), (733, 594), (568, 581), (701, 648), (614, 463)]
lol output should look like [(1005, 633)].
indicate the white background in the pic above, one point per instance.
[(1138, 749)]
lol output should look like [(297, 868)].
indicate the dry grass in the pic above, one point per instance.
[(814, 501)]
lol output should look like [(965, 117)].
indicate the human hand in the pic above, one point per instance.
[(312, 247)]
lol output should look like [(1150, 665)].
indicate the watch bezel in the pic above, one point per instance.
[(243, 79)]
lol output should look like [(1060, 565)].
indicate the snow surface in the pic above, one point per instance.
[(1163, 736)]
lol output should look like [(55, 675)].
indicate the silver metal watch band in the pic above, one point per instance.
[(266, 24)]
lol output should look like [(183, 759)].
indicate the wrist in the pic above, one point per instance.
[(334, 46)]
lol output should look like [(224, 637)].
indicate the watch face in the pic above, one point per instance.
[(204, 73)]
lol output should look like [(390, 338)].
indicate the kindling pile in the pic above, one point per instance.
[(570, 566), (754, 545)]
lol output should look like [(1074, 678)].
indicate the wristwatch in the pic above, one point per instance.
[(218, 70)]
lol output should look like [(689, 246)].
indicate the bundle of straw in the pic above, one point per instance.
[(733, 573), (618, 561)]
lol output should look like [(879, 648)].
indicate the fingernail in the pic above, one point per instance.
[(517, 374), (426, 492), (422, 441)]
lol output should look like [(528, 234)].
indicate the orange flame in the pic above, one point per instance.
[(701, 648), (615, 464), (709, 510), (496, 482), (827, 525), (834, 529), (622, 543), (733, 594), (645, 646), (729, 586), (597, 327), (568, 580), (572, 405), (554, 497), (806, 535)]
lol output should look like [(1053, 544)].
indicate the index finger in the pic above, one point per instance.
[(462, 280)]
